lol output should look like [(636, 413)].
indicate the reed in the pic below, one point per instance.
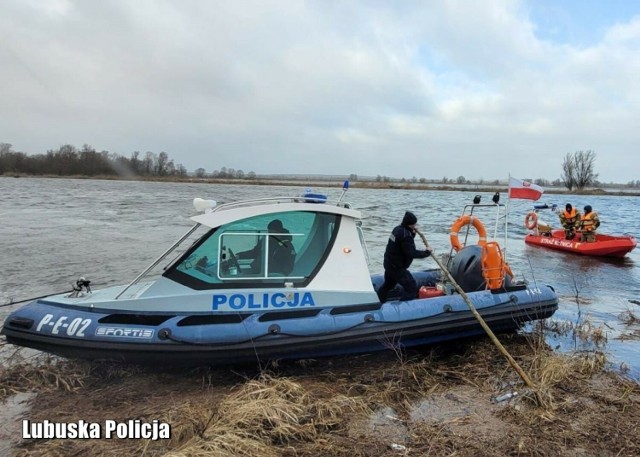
[(265, 412), (326, 406), (44, 374), (629, 318)]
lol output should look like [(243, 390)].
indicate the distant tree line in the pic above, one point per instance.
[(68, 160), (578, 168), (225, 173)]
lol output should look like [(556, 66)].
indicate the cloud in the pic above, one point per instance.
[(426, 89)]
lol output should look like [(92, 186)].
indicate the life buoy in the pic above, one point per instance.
[(493, 266), (531, 220), (461, 222)]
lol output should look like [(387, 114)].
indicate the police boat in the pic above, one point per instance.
[(276, 278)]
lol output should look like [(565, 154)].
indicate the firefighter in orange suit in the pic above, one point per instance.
[(588, 224), (570, 220)]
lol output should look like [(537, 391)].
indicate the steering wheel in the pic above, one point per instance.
[(188, 264), (233, 259)]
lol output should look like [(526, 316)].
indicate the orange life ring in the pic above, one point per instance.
[(461, 222), (531, 220), (493, 265)]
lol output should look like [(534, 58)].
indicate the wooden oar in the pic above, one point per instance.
[(512, 362)]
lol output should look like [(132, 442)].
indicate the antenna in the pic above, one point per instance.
[(345, 188)]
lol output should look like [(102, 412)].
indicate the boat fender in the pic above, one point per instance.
[(507, 270), (531, 220), (461, 222), (494, 267), (274, 328)]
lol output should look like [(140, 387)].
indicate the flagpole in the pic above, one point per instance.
[(506, 218)]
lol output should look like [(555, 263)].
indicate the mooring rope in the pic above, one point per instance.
[(11, 302)]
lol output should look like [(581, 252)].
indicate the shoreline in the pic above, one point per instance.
[(335, 183), (462, 400)]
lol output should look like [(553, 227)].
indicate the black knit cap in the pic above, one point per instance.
[(275, 225), (409, 218)]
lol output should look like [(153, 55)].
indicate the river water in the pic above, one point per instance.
[(53, 231)]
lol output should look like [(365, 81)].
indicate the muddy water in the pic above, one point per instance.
[(12, 411), (56, 230)]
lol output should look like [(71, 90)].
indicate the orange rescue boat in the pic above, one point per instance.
[(604, 245)]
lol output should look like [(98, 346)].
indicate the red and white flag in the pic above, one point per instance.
[(524, 189)]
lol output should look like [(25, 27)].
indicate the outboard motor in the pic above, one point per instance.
[(466, 268)]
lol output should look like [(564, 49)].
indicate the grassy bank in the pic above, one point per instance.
[(337, 183), (444, 401)]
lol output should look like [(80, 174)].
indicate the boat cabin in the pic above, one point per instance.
[(275, 243)]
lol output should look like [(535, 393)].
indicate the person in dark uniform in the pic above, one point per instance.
[(400, 252), (281, 253)]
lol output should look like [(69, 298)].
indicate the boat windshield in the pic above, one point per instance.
[(259, 251)]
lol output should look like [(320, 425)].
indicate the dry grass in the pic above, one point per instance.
[(49, 374), (629, 318), (630, 335), (631, 321), (583, 330), (440, 402), (270, 411)]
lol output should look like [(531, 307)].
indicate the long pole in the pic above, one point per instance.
[(492, 336)]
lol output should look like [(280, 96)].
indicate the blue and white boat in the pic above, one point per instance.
[(241, 288)]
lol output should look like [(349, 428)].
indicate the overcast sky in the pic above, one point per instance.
[(431, 89)]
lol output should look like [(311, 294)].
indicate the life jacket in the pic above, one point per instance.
[(589, 222), (570, 217)]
